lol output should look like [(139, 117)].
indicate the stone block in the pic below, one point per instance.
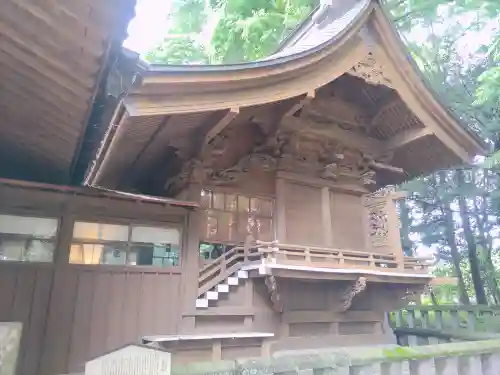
[(131, 359), (10, 339)]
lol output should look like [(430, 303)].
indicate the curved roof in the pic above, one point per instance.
[(353, 41)]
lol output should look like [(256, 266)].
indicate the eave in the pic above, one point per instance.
[(52, 60), (184, 92)]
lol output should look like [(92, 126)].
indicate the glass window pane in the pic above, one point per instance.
[(243, 203), (226, 225), (218, 201), (26, 250), (86, 253), (114, 255), (212, 227), (99, 231), (158, 262), (12, 249), (264, 229), (206, 199), (244, 225), (231, 203), (261, 206), (145, 255), (33, 226), (159, 251), (156, 235), (39, 251)]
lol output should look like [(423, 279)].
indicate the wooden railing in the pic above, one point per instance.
[(308, 256), (312, 256), (422, 325), (228, 263)]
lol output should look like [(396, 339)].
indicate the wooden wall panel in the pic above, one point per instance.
[(25, 292), (112, 307), (303, 215), (348, 221)]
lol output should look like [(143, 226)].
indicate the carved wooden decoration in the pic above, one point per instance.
[(272, 287), (378, 225), (371, 71), (352, 291)]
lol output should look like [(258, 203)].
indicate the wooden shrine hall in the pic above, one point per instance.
[(225, 211)]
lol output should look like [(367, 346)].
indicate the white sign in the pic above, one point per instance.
[(131, 360)]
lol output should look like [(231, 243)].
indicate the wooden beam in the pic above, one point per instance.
[(387, 167), (297, 106), (338, 110), (405, 137), (222, 124), (331, 131)]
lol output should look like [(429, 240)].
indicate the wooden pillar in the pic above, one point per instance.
[(394, 234), (281, 210), (64, 237), (190, 261), (326, 217)]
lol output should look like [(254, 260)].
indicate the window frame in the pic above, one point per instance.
[(237, 213), (33, 215), (129, 224)]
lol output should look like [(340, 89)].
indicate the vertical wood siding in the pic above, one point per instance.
[(78, 312)]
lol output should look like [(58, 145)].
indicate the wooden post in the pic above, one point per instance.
[(471, 321), (393, 234), (281, 210), (190, 261), (412, 340), (326, 217), (455, 319)]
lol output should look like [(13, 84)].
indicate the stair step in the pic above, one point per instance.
[(242, 274), (223, 288), (201, 303), (231, 280), (212, 295)]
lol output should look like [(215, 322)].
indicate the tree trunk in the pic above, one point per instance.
[(404, 217), (486, 241), (471, 245), (455, 255)]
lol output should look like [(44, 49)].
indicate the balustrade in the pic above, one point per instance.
[(475, 358)]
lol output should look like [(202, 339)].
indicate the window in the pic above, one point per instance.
[(231, 217), (27, 239), (99, 243)]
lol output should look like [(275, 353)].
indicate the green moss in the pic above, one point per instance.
[(336, 358)]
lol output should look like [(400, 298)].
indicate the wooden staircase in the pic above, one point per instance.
[(225, 272)]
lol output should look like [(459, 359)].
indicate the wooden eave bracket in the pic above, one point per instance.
[(222, 124), (274, 295), (405, 137), (352, 291), (296, 107)]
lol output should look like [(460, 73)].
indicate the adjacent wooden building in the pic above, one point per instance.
[(228, 211)]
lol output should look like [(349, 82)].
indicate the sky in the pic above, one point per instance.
[(149, 25)]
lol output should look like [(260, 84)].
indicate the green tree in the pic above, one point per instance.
[(227, 31)]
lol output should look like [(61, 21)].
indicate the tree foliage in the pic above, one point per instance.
[(227, 31)]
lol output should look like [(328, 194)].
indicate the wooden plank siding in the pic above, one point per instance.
[(90, 310), (25, 293)]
